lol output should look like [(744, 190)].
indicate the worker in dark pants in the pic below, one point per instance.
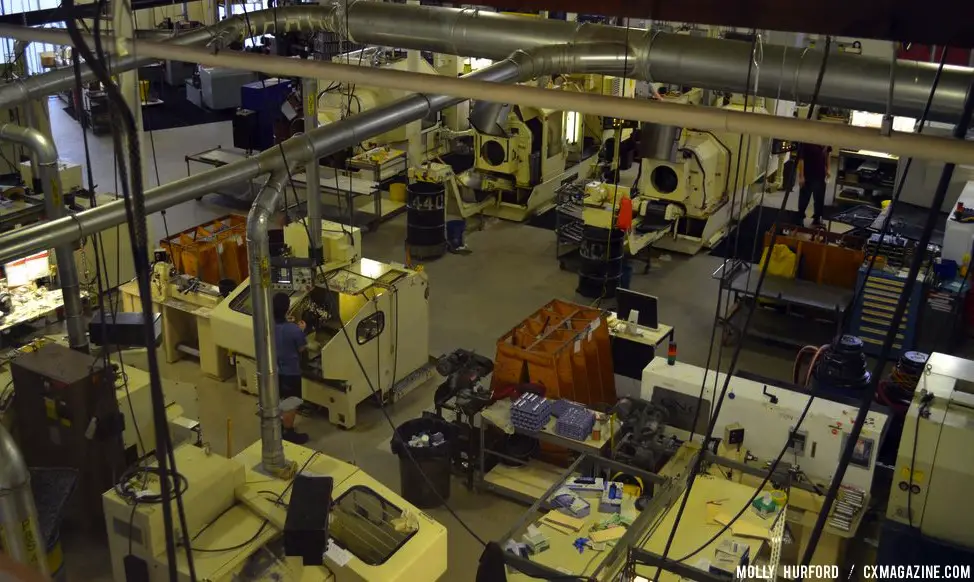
[(290, 343), (814, 171)]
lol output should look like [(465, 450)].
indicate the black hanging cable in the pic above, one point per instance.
[(100, 266), (135, 212), (720, 309), (698, 462), (888, 222), (960, 131)]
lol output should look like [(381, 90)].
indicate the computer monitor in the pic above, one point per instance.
[(646, 305), (30, 268)]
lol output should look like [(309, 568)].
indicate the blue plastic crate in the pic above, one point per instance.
[(530, 412), (575, 422)]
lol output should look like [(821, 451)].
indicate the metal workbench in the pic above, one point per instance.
[(342, 195), (220, 156), (784, 307)]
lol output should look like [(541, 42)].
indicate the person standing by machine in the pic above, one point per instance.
[(290, 344), (814, 170)]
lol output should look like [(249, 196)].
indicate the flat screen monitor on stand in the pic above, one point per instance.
[(646, 305)]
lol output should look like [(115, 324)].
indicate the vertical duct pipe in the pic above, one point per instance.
[(348, 132), (258, 254), (47, 171), (312, 171), (22, 540), (658, 141)]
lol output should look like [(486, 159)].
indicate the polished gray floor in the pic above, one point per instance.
[(474, 299)]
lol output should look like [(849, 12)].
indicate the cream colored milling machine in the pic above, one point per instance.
[(234, 522), (520, 164), (690, 175), (385, 312), (943, 464)]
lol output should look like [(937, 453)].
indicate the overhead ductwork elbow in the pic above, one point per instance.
[(606, 58)]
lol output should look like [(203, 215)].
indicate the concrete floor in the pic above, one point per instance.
[(474, 299)]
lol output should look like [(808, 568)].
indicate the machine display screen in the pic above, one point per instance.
[(862, 454), (362, 523)]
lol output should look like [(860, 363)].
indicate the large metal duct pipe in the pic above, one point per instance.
[(607, 58), (521, 66), (284, 19), (258, 252), (852, 81), (47, 170), (22, 539), (23, 241)]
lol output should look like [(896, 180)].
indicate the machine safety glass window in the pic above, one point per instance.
[(364, 523), (370, 327)]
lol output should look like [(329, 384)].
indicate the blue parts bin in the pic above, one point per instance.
[(576, 423), (530, 412)]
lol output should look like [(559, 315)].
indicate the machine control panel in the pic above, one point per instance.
[(293, 279)]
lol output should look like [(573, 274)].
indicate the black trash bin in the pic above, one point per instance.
[(433, 461)]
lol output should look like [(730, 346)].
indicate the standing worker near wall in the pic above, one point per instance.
[(814, 172)]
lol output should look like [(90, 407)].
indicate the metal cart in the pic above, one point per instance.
[(217, 157), (819, 308)]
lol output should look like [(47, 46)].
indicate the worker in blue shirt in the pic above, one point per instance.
[(290, 343)]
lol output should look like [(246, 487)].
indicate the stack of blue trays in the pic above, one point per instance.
[(575, 422), (560, 406), (530, 412)]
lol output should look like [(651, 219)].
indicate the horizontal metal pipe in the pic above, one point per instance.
[(853, 81), (710, 118), (23, 241)]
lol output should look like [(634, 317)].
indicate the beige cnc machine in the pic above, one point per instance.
[(234, 523), (943, 463), (358, 307), (692, 175)]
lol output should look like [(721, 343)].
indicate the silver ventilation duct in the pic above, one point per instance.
[(22, 539), (658, 141), (852, 81), (46, 169)]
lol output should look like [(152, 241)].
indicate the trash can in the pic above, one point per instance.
[(433, 461)]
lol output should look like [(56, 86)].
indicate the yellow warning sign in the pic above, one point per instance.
[(56, 193), (917, 475), (265, 271), (310, 107)]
